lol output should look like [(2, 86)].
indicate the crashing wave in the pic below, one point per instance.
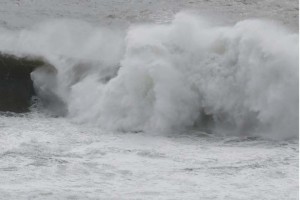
[(240, 79)]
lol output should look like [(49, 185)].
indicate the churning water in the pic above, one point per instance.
[(182, 75), (113, 98)]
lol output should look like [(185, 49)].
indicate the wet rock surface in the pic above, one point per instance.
[(16, 87)]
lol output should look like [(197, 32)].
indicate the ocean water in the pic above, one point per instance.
[(166, 104), (52, 158)]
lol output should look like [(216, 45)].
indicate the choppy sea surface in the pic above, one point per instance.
[(51, 158), (154, 100)]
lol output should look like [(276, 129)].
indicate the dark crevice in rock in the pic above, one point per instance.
[(16, 86)]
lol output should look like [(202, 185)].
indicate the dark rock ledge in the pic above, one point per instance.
[(16, 86)]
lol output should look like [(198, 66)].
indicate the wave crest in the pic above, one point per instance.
[(240, 79)]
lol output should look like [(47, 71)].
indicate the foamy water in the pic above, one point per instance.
[(186, 74), (137, 102), (51, 158)]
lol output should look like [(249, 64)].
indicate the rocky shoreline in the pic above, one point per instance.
[(16, 86)]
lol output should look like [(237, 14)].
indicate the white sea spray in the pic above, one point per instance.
[(170, 77)]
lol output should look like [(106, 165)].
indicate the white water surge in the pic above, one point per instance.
[(187, 74)]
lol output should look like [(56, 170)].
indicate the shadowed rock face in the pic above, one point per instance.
[(16, 87)]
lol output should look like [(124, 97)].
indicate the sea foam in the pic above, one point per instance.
[(187, 74)]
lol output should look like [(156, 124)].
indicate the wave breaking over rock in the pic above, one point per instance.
[(187, 74), (16, 87)]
